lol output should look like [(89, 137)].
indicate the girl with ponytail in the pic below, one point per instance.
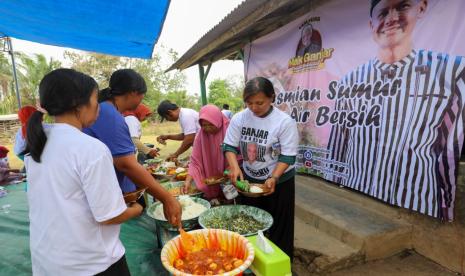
[(75, 204)]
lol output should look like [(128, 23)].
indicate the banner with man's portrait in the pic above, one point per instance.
[(378, 91)]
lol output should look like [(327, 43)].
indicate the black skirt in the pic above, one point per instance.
[(280, 205), (120, 268)]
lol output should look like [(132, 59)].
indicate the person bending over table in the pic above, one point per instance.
[(189, 121)]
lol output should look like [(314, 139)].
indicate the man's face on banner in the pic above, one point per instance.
[(307, 35), (252, 152), (393, 21)]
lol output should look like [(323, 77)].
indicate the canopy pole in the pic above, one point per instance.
[(203, 77), (13, 63)]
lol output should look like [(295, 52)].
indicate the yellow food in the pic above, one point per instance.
[(181, 176), (175, 191)]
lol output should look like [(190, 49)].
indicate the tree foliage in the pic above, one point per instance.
[(160, 84), (99, 66), (29, 71), (226, 91)]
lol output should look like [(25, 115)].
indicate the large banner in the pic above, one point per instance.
[(378, 91)]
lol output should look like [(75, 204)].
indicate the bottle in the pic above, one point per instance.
[(229, 191), (243, 185)]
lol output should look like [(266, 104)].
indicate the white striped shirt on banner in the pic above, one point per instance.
[(410, 159)]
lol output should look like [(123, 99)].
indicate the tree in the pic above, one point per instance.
[(5, 76), (181, 98), (99, 66), (30, 72), (222, 91), (159, 83)]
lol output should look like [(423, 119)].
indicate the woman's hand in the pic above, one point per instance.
[(162, 139), (172, 210), (153, 153), (234, 173), (172, 157), (270, 185), (234, 169), (136, 207), (186, 187)]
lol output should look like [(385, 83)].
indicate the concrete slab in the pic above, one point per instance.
[(349, 221), (317, 252), (405, 263)]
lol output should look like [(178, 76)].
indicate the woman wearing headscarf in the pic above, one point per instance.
[(7, 174), (24, 113), (207, 158), (133, 119)]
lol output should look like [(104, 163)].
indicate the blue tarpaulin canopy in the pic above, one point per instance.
[(115, 27)]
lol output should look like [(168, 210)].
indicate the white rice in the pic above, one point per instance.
[(190, 209)]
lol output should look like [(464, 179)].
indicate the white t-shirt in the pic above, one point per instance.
[(227, 113), (189, 120), (262, 140), (20, 142), (134, 125), (70, 191)]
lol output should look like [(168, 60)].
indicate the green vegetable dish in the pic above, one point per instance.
[(240, 223), (245, 220)]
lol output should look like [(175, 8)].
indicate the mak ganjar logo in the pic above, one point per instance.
[(309, 54)]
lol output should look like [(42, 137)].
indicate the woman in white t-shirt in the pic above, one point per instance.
[(267, 139), (75, 203)]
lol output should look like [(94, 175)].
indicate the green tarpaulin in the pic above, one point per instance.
[(137, 235)]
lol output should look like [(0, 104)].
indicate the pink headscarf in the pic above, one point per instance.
[(207, 158)]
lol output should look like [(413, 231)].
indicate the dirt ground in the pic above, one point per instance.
[(406, 263)]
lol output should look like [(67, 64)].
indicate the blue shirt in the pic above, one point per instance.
[(112, 130)]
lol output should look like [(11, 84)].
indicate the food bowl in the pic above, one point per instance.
[(133, 196), (252, 194), (163, 177), (233, 243), (225, 217), (214, 180), (155, 160), (186, 224), (175, 188)]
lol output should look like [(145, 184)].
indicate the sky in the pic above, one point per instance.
[(186, 22)]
